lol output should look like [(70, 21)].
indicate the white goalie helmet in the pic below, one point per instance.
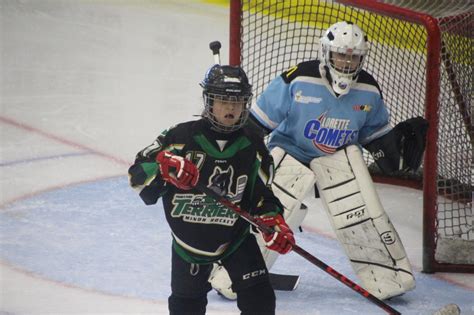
[(343, 49)]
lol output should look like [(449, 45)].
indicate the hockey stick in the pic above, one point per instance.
[(219, 195), (284, 282)]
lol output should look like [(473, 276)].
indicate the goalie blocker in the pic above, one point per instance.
[(363, 228)]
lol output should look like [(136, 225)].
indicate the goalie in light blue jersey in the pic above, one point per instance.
[(308, 118), (317, 109)]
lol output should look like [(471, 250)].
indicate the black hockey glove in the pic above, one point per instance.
[(402, 148), (411, 135)]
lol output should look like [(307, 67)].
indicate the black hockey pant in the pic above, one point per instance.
[(246, 267)]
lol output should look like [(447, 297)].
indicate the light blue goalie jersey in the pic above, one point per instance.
[(308, 120)]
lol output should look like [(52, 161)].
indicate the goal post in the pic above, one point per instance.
[(421, 54)]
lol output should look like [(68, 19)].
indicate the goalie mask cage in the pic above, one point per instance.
[(421, 54)]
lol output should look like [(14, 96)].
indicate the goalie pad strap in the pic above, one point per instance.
[(361, 224)]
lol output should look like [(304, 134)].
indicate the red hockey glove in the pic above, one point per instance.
[(282, 240), (185, 174)]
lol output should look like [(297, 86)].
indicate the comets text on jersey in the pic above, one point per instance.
[(328, 134)]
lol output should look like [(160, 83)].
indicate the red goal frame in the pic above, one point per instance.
[(429, 182)]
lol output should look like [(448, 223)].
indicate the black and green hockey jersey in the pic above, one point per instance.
[(239, 163)]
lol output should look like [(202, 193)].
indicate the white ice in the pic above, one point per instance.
[(84, 86)]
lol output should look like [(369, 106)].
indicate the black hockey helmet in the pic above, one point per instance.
[(229, 84)]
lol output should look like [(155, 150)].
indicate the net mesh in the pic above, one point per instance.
[(276, 35)]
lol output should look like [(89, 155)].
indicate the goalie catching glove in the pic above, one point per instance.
[(402, 148), (177, 170), (281, 239), (412, 136)]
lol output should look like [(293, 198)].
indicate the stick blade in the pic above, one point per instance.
[(283, 282), (450, 309)]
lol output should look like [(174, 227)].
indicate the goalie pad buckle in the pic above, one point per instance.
[(363, 228)]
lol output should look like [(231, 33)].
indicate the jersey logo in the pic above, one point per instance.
[(363, 108), (300, 98), (328, 134), (202, 209), (224, 179)]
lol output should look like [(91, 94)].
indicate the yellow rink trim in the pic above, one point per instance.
[(409, 36), (218, 2), (326, 14)]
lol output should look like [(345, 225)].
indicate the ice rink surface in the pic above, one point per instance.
[(84, 86)]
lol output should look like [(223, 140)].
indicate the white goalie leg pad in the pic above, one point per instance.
[(220, 281), (291, 183), (361, 224)]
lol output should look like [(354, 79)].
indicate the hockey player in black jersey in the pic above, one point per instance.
[(215, 151)]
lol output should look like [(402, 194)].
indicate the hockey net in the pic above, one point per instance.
[(421, 54)]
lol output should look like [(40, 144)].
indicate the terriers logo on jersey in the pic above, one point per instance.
[(328, 134), (203, 209)]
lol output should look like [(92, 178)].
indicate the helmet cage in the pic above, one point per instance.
[(345, 62), (209, 99), (227, 84)]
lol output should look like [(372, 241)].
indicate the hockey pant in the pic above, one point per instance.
[(189, 283)]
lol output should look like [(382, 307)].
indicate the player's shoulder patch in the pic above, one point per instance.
[(306, 68)]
